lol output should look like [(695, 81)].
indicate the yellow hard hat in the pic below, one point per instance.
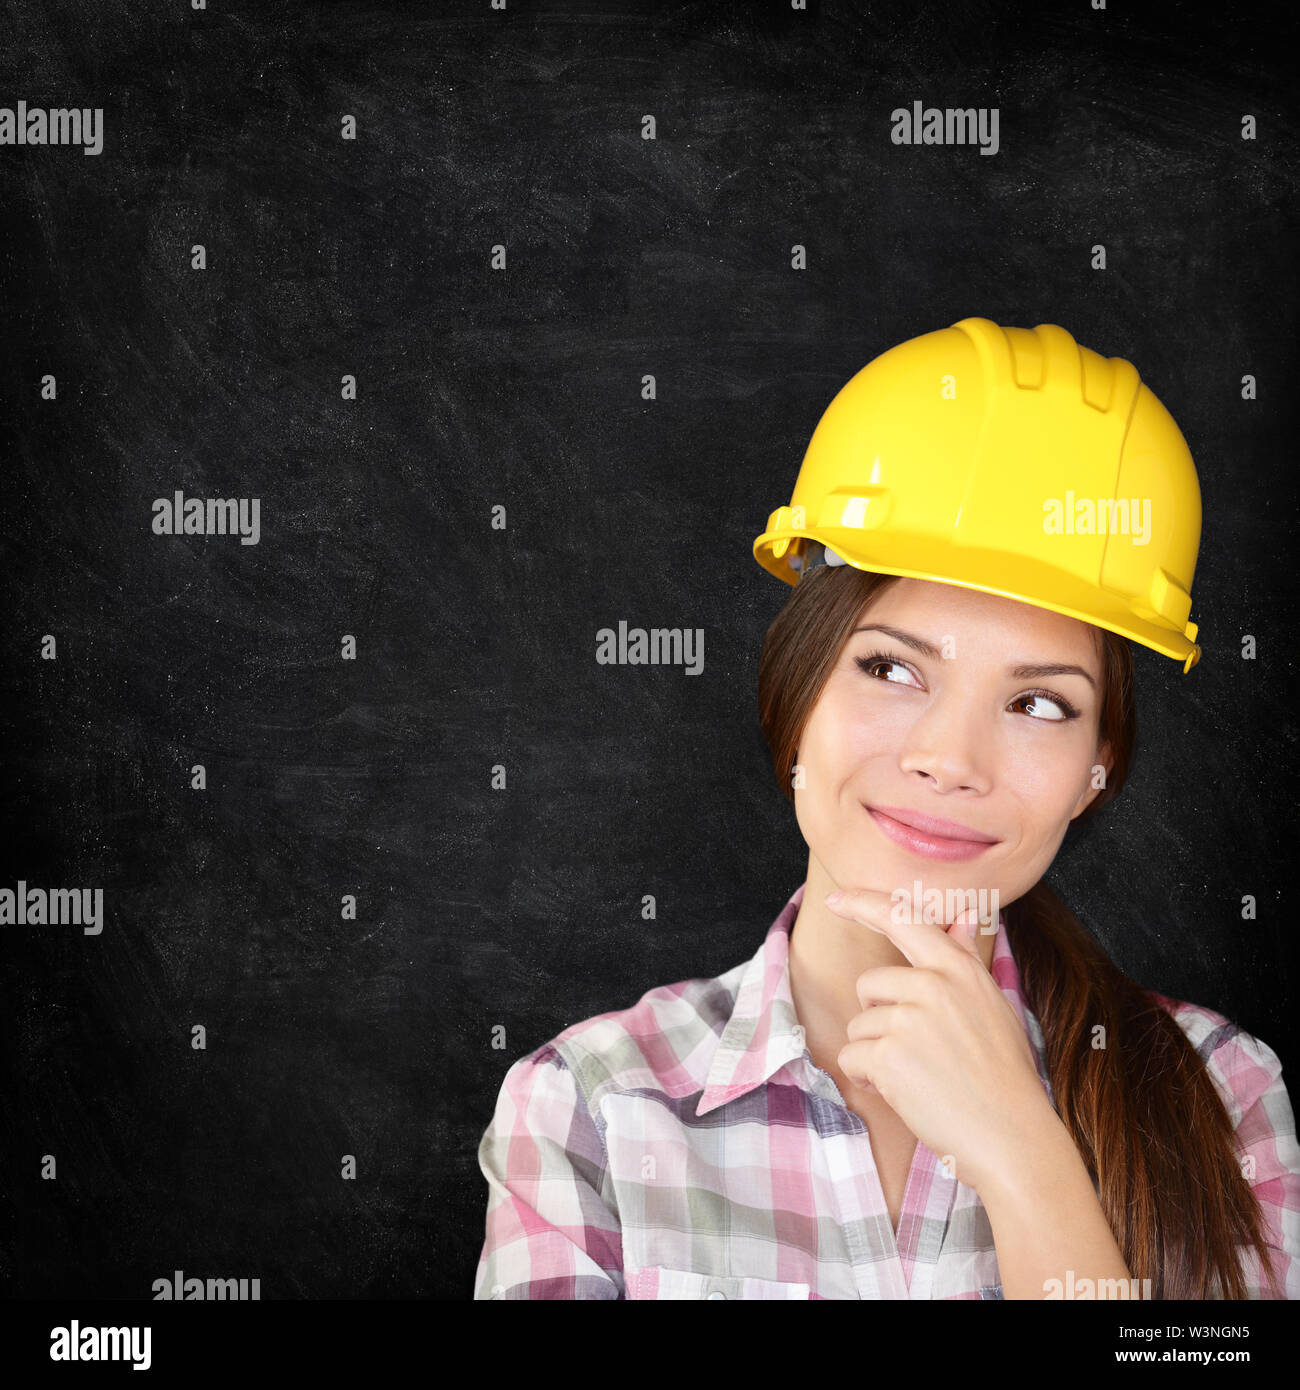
[(1009, 460)]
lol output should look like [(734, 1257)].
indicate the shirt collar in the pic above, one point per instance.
[(760, 1037)]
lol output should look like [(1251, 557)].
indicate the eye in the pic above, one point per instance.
[(872, 660), (1036, 697), (1040, 700)]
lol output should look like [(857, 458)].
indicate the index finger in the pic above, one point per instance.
[(921, 943)]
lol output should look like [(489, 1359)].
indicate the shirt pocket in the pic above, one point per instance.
[(660, 1282)]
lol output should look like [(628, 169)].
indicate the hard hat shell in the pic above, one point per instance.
[(1013, 461)]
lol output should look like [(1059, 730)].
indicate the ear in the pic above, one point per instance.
[(1090, 793)]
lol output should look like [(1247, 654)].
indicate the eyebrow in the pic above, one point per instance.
[(1024, 672)]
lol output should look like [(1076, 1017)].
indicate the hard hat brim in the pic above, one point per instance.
[(992, 572)]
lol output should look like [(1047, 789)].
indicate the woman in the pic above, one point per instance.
[(930, 1081)]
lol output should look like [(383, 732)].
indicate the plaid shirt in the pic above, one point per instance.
[(688, 1147)]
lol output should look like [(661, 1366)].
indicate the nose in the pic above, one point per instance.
[(947, 748)]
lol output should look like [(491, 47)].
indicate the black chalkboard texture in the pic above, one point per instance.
[(281, 278)]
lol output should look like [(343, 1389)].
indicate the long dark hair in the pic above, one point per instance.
[(1143, 1112)]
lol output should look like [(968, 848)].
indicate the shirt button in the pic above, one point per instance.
[(717, 1293)]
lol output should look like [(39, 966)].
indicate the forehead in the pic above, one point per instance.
[(928, 609)]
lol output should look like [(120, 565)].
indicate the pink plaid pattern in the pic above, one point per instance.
[(688, 1147)]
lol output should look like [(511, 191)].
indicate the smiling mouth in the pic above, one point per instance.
[(926, 841)]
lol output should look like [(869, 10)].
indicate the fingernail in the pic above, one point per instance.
[(834, 897)]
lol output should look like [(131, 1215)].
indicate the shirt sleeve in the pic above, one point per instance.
[(1248, 1075), (552, 1227)]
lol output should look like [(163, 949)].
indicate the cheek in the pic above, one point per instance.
[(844, 734), (840, 744), (832, 749), (1047, 775), (861, 721)]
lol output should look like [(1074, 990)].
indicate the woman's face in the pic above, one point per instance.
[(955, 733)]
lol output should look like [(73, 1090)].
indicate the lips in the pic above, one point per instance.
[(929, 836), (933, 827)]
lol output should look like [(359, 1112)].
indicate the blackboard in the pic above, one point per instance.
[(333, 255)]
